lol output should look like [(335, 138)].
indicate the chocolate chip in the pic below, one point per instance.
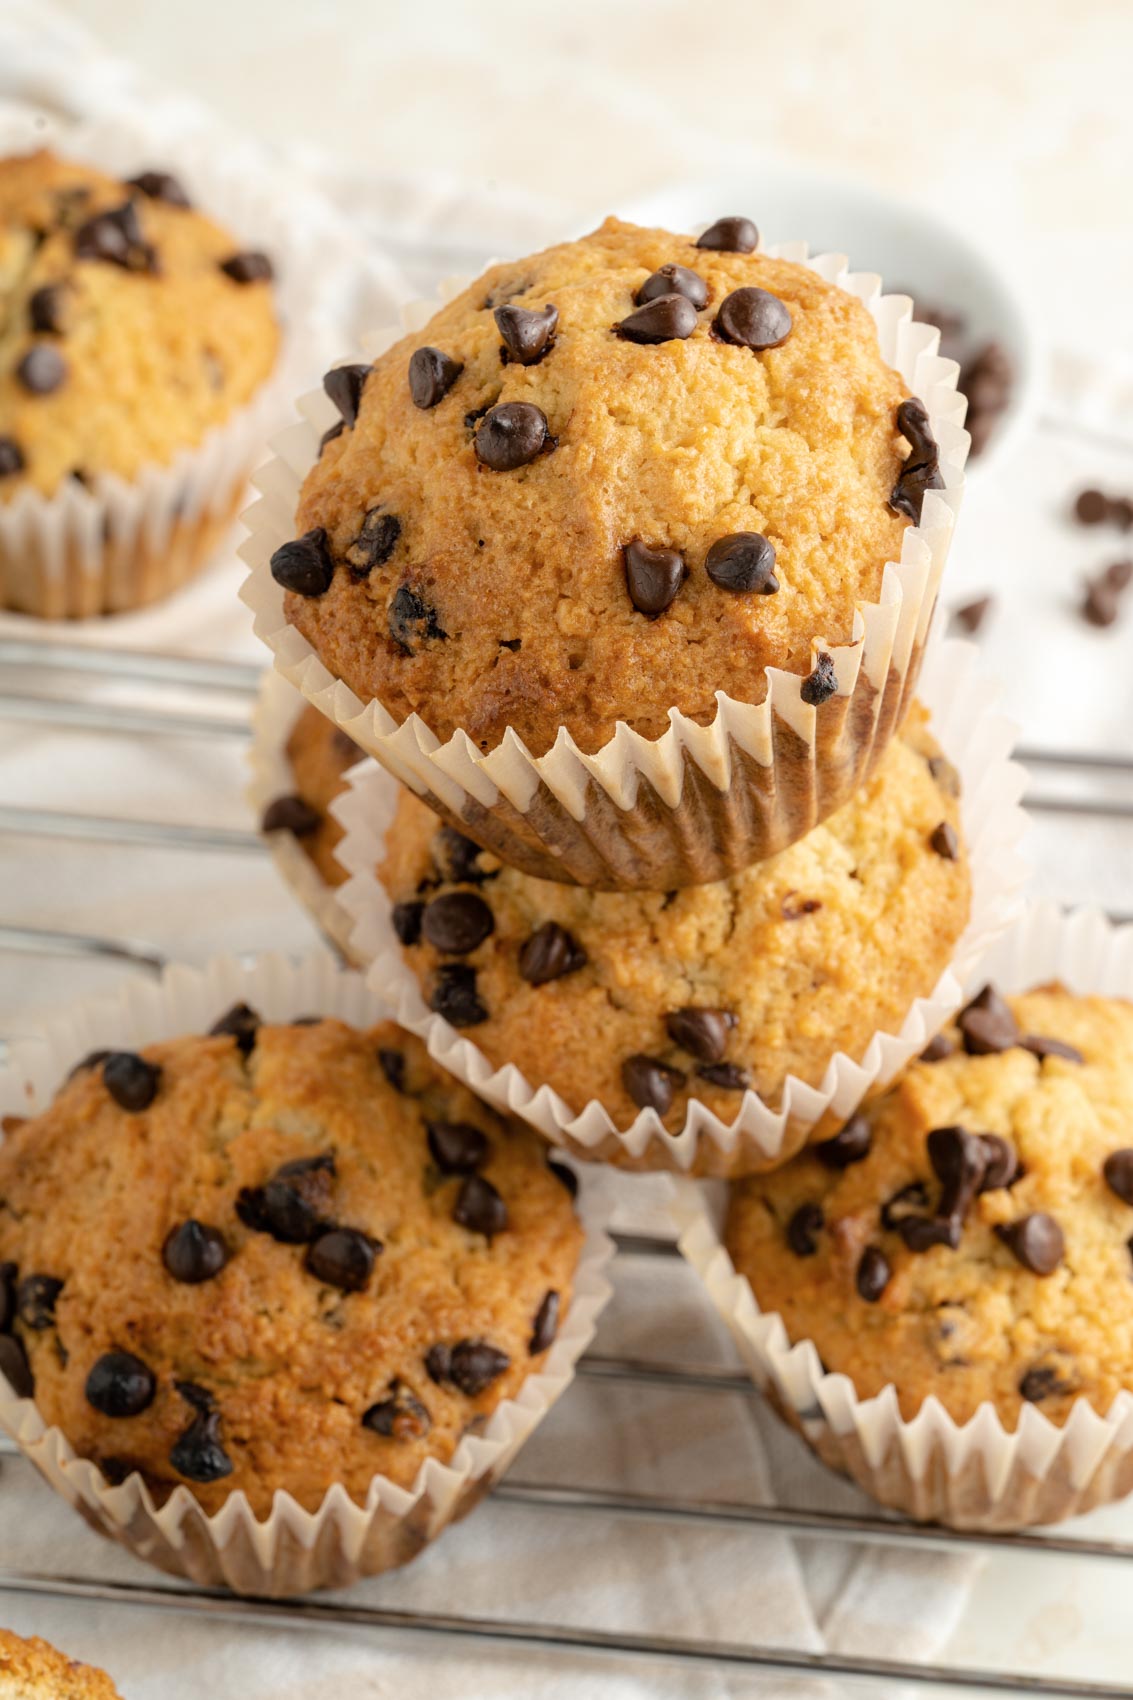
[(549, 954), (374, 544), (703, 1032), (470, 1365), (304, 565), (730, 236), (35, 1301), (159, 186), (454, 995), (291, 814), (197, 1454), (195, 1395), (479, 1207), (194, 1253), (807, 1221), (528, 332), (412, 620), (959, 1161), (1091, 507), (456, 922), (343, 1258), (458, 857), (120, 1385), (546, 1325), (400, 1416), (1036, 1240), (14, 1367), (665, 318), (46, 311), (251, 267), (344, 386), (131, 1081), (752, 318), (921, 1233), (1118, 1172), (11, 457), (914, 479), (242, 1024), (850, 1145), (651, 1083), (873, 1274), (743, 562), (330, 434), (1100, 605), (511, 436), (947, 777), (115, 237), (392, 1065), (564, 1174), (406, 919), (792, 907), (987, 1024), (971, 615), (673, 280), (457, 1148), (42, 369), (1003, 1167), (432, 373), (344, 747), (292, 1205), (91, 1060), (729, 1077), (653, 576), (1042, 1382), (908, 1200), (1119, 574), (820, 684), (945, 842), (1040, 1045), (8, 1276)]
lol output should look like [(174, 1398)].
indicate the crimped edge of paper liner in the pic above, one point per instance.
[(882, 656), (974, 735), (292, 1550)]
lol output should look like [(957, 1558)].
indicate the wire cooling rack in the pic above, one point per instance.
[(207, 699)]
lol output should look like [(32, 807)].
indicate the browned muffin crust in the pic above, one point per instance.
[(34, 1670)]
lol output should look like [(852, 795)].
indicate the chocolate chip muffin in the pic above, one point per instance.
[(653, 999), (276, 1258), (607, 481), (33, 1670), (968, 1234), (130, 326), (319, 755)]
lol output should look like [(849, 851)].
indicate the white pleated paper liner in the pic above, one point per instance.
[(975, 737), (278, 707), (292, 1550), (975, 1475), (120, 544), (699, 802)]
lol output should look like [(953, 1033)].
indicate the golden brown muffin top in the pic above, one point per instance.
[(129, 323), (968, 1234), (482, 596), (34, 1670), (319, 755), (648, 998), (305, 1256)]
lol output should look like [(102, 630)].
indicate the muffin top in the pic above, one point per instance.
[(129, 324), (33, 1670), (319, 755), (968, 1233), (276, 1258), (644, 998), (556, 507)]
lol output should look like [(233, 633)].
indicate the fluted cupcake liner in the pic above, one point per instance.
[(700, 802), (976, 738), (973, 1475), (292, 1550)]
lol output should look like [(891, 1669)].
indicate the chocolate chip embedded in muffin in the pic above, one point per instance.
[(548, 954), (665, 318), (1036, 1240), (290, 814), (344, 386), (240, 1023), (36, 1297), (457, 922), (944, 841), (249, 267), (987, 1025), (471, 1365), (850, 1145), (821, 683), (160, 186), (741, 563), (194, 1252), (11, 457), (651, 1083), (653, 576), (412, 620), (672, 279), (42, 369), (454, 996), (730, 236), (528, 332), (305, 565), (120, 1385), (753, 318), (479, 1207), (546, 1325), (702, 1032), (512, 435), (131, 1081), (457, 1148), (374, 543), (115, 237), (432, 373), (343, 1258), (400, 1416), (805, 1223)]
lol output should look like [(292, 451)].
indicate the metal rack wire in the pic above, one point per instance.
[(44, 684)]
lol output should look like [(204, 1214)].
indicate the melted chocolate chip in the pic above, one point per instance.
[(11, 457), (457, 922), (131, 1081), (702, 1032), (120, 1385), (873, 1274), (511, 436), (250, 267), (1036, 1240), (821, 683), (14, 1367), (344, 386), (406, 919), (400, 1416), (565, 1175), (432, 373), (549, 954), (305, 565), (1042, 1046), (752, 318), (454, 995), (412, 620), (742, 563), (392, 1065), (945, 841), (651, 1083), (673, 280), (46, 314), (730, 236), (653, 576), (242, 1024), (115, 237), (921, 472), (470, 1365), (292, 1205), (159, 186), (850, 1145), (987, 1024), (194, 1253), (291, 814), (908, 1200), (807, 1221), (35, 1301), (528, 332), (1118, 1172), (42, 369), (1042, 1382), (665, 318), (197, 1454), (729, 1077), (546, 1325), (374, 544), (457, 1148), (479, 1207), (343, 1258), (913, 424)]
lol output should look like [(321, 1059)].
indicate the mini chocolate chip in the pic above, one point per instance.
[(820, 684), (291, 1206), (343, 1258), (473, 1365), (46, 311), (511, 436), (1036, 1240), (305, 565), (729, 1077), (1003, 1166), (549, 954), (457, 922), (330, 434), (546, 1325), (1040, 1045), (399, 1416), (945, 842), (1042, 1382), (850, 1145), (743, 562), (458, 857), (807, 1221), (730, 236), (1091, 507), (873, 1274), (1118, 1172), (194, 1253), (406, 919), (653, 576), (374, 544), (479, 1207), (344, 386), (392, 1065), (937, 1049), (457, 1148), (35, 1301), (8, 1277), (528, 332), (115, 237), (971, 615), (564, 1174), (703, 1032), (987, 1024), (11, 457), (454, 995), (242, 1024), (131, 1081), (291, 814), (251, 267), (120, 1385), (159, 186), (412, 620), (908, 1200), (14, 1367), (673, 280), (197, 1454), (913, 481), (792, 907), (665, 318), (432, 373), (752, 318), (651, 1083), (42, 369)]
